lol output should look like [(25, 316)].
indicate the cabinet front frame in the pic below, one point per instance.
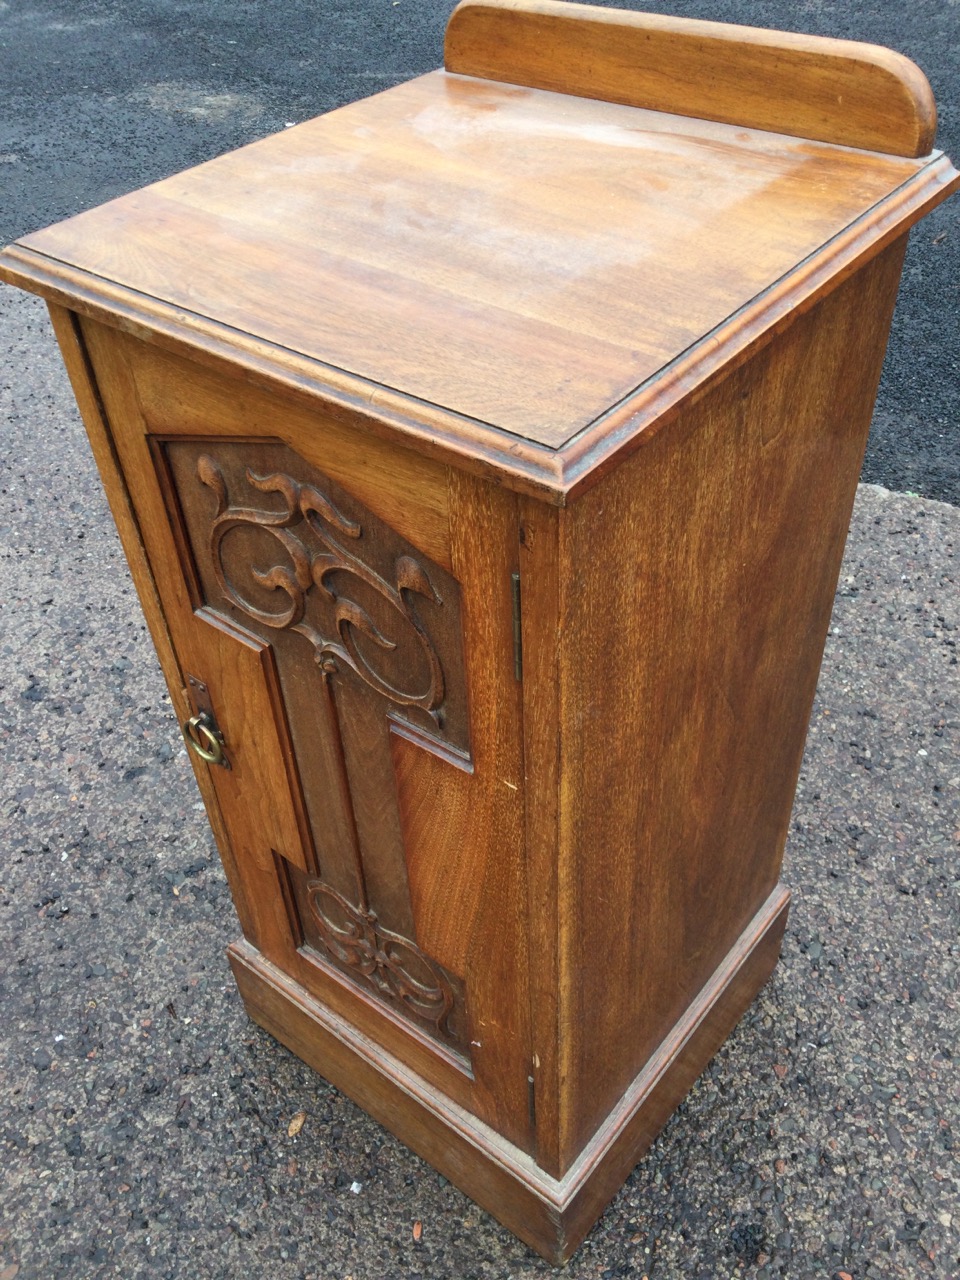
[(133, 397)]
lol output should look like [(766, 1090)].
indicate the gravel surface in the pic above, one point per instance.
[(102, 96), (144, 1122)]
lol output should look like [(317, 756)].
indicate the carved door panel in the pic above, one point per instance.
[(393, 848), (346, 605), (367, 638)]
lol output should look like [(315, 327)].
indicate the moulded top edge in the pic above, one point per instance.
[(521, 279)]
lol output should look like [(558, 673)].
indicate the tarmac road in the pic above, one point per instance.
[(102, 96)]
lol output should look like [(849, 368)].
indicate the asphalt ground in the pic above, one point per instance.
[(144, 1122)]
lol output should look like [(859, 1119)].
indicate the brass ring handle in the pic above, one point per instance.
[(202, 739)]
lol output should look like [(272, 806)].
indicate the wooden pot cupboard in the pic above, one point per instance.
[(484, 452)]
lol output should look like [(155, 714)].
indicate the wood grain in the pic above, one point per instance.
[(840, 91), (516, 258), (697, 586), (179, 397), (512, 908), (540, 594), (437, 804), (660, 1087), (496, 964), (552, 1215)]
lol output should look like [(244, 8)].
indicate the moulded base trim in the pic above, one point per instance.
[(552, 1215)]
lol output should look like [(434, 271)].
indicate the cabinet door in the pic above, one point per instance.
[(342, 610)]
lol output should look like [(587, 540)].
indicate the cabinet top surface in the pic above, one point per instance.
[(516, 257)]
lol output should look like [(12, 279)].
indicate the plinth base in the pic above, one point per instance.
[(551, 1215)]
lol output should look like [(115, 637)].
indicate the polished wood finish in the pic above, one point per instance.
[(483, 454), (404, 489), (470, 266), (695, 598), (551, 1214), (858, 95), (297, 789)]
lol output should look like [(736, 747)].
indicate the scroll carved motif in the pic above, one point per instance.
[(306, 505), (393, 965)]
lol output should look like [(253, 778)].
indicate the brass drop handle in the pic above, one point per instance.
[(202, 737)]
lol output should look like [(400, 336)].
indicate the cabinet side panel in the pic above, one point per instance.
[(697, 586)]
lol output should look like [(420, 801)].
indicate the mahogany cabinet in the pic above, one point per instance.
[(483, 453)]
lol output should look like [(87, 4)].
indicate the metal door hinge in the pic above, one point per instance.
[(517, 630)]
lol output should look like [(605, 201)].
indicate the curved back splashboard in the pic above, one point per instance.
[(840, 91)]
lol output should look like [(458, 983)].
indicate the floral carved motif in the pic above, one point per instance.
[(325, 570), (396, 968)]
